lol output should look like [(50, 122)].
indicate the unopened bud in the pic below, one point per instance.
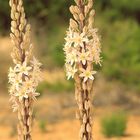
[(73, 24), (88, 128), (71, 9), (81, 16)]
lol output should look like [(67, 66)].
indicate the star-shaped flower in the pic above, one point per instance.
[(70, 71), (69, 38), (17, 80), (71, 57), (35, 62), (22, 93), (87, 74), (79, 39), (34, 94), (84, 56), (23, 68)]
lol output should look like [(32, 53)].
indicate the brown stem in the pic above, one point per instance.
[(27, 116), (84, 95), (84, 103), (24, 125), (25, 106)]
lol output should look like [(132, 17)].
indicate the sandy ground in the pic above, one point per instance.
[(65, 126), (68, 130)]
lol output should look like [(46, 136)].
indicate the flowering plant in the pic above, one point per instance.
[(24, 80), (82, 50), (25, 75), (82, 47)]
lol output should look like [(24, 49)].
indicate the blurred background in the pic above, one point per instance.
[(116, 100)]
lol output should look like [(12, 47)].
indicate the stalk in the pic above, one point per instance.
[(25, 74), (82, 50)]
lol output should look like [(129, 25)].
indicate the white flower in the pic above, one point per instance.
[(75, 39), (71, 57), (12, 89), (23, 68), (36, 63), (29, 84), (84, 56), (22, 93), (67, 49), (79, 39), (87, 74), (34, 94), (69, 38), (11, 73), (17, 80), (36, 75), (96, 55), (70, 71)]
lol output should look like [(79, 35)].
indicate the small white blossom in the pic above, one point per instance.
[(34, 94), (79, 39), (71, 57), (95, 54), (29, 84), (36, 63), (87, 74), (84, 57), (12, 89), (11, 73), (17, 80), (67, 49), (70, 71), (23, 68), (69, 38), (22, 93)]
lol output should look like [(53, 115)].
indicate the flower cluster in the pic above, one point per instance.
[(24, 80), (82, 47), (25, 75), (82, 50)]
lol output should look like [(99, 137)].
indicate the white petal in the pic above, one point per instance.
[(36, 94), (85, 79), (84, 62), (91, 77), (94, 72), (26, 96)]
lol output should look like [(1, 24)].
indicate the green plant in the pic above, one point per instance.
[(57, 86), (114, 125), (42, 126), (13, 131), (41, 87), (82, 50)]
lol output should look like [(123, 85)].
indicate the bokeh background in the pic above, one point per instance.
[(116, 88)]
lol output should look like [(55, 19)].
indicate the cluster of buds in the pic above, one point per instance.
[(82, 50), (25, 75)]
